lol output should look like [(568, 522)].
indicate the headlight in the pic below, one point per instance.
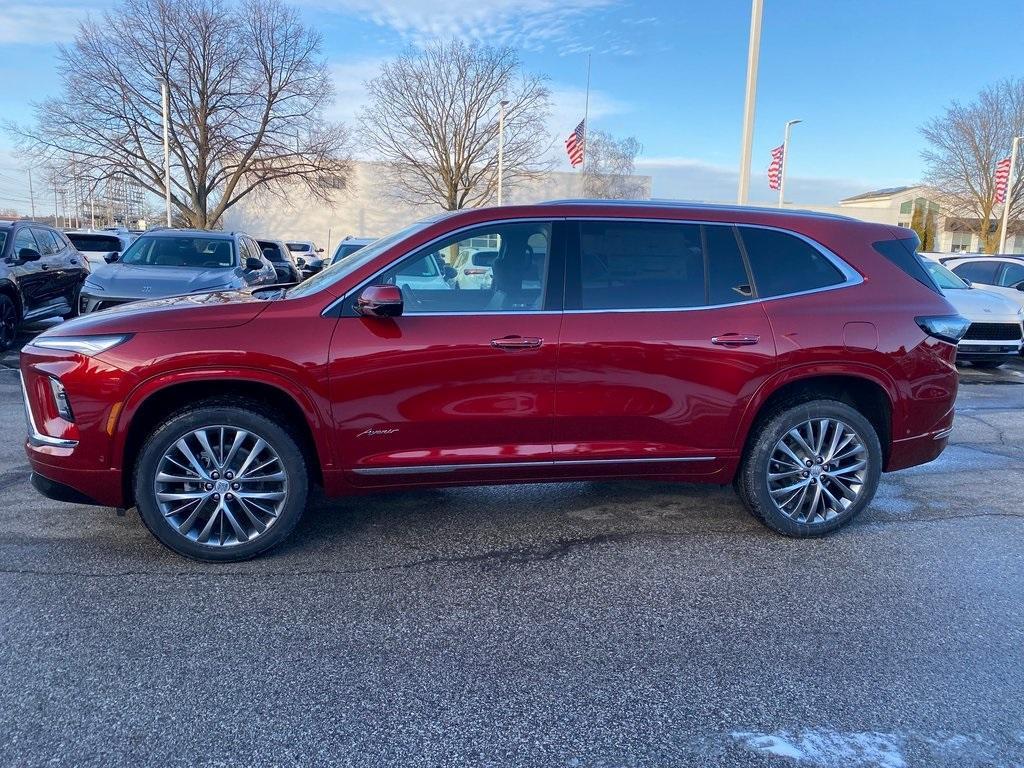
[(83, 345)]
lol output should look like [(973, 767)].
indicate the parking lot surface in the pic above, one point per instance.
[(580, 624)]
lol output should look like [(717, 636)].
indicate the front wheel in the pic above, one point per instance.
[(811, 468), (221, 483)]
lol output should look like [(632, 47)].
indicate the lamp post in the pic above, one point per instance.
[(750, 100), (1009, 192), (785, 159), (501, 149), (166, 100)]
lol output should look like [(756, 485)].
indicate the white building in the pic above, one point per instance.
[(368, 207)]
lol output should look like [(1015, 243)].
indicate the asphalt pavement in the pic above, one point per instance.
[(584, 624)]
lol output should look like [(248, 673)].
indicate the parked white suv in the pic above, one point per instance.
[(999, 274), (996, 333)]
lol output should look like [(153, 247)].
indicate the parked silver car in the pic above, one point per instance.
[(175, 262)]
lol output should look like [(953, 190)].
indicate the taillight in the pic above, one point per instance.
[(949, 328)]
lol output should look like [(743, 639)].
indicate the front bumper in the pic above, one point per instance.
[(990, 351), (94, 303), (57, 491)]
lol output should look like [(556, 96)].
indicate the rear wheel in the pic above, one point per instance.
[(221, 483), (8, 322), (811, 468)]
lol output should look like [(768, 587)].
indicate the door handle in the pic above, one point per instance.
[(517, 342), (43, 267), (735, 340)]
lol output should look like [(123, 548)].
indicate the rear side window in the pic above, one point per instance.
[(95, 243), (728, 281), (903, 253), (48, 244), (640, 265), (272, 252), (783, 263), (1012, 275), (982, 271)]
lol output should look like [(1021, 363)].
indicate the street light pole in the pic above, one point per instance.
[(785, 159), (31, 195), (750, 101), (166, 99), (501, 149), (1009, 192)]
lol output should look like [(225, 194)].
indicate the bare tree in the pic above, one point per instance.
[(610, 163), (433, 119), (964, 146), (247, 91)]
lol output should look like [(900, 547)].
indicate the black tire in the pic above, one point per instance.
[(254, 418), (987, 365), (752, 479), (9, 321)]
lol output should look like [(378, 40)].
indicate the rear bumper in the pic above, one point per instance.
[(920, 449)]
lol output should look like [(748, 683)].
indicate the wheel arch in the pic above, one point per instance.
[(870, 391), (152, 401)]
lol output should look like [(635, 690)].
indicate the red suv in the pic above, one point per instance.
[(795, 355)]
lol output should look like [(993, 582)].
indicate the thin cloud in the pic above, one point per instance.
[(41, 24), (528, 24)]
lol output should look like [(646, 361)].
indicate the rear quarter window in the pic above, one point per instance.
[(903, 253), (783, 263), (981, 271)]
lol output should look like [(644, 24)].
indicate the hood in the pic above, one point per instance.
[(981, 306), (223, 309), (130, 281)]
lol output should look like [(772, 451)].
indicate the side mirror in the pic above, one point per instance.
[(969, 283), (299, 261), (450, 272), (319, 250), (28, 254), (252, 264), (1020, 286), (380, 301), (111, 257)]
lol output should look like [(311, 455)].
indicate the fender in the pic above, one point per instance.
[(794, 373), (151, 386)]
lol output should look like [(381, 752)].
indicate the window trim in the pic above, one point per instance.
[(851, 277), (342, 307)]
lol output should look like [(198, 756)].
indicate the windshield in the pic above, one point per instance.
[(298, 247), (181, 251), (354, 261), (945, 279), (94, 243)]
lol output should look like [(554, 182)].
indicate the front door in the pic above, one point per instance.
[(461, 386), (660, 344), (33, 280)]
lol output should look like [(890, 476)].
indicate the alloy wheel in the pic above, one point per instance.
[(817, 470), (221, 486)]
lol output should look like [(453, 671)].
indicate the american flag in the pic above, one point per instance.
[(1002, 179), (574, 144), (775, 168)]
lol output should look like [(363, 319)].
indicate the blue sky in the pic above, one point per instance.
[(861, 75)]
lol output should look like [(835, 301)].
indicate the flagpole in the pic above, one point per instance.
[(586, 120), (785, 159), (1008, 198), (750, 100)]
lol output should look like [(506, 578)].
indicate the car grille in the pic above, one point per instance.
[(105, 304), (994, 331)]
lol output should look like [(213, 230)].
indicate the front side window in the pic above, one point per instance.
[(430, 278), (24, 239), (272, 252), (981, 271), (784, 264), (640, 265), (180, 251)]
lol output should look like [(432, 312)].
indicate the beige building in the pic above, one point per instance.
[(368, 207)]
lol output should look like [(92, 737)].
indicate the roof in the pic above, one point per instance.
[(685, 205), (884, 192)]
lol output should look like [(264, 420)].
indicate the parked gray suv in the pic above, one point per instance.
[(175, 262)]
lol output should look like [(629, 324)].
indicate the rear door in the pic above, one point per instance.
[(661, 345), (461, 386)]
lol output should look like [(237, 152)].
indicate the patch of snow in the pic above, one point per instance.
[(828, 748)]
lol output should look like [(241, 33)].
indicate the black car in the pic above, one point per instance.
[(282, 259), (41, 274)]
